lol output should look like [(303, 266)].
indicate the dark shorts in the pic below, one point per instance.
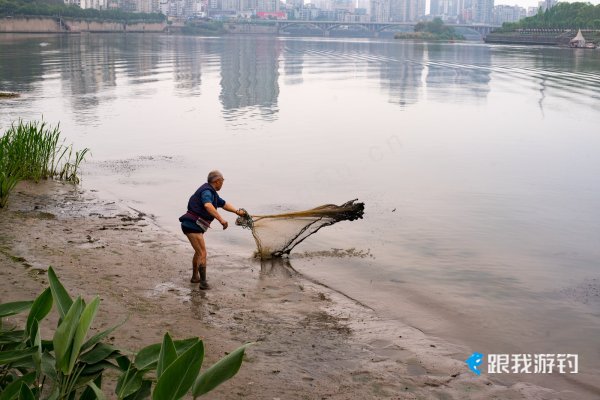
[(191, 227)]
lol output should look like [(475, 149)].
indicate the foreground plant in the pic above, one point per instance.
[(72, 366), (33, 150)]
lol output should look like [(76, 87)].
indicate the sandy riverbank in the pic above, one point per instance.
[(311, 342)]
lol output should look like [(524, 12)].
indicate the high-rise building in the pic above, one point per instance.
[(348, 5), (434, 7), (399, 10), (267, 5), (96, 4), (504, 14), (230, 5), (363, 4), (483, 11), (380, 10)]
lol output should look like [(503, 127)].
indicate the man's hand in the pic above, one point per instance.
[(224, 223)]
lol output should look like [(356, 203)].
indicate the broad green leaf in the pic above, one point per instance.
[(83, 381), (24, 364), (124, 362), (39, 309), (47, 345), (25, 393), (37, 342), (8, 309), (54, 394), (183, 345), (87, 317), (148, 356), (7, 337), (49, 366), (63, 336), (89, 393), (221, 371), (59, 293), (100, 352), (129, 383), (7, 357), (11, 390), (97, 391), (143, 392), (99, 336), (179, 377), (98, 367), (168, 354)]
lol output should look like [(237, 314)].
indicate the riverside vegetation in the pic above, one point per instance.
[(58, 8), (70, 367), (561, 16), (34, 151), (432, 30)]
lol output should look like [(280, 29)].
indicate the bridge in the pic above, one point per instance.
[(373, 27)]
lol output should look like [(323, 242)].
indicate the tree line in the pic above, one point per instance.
[(562, 15), (56, 8)]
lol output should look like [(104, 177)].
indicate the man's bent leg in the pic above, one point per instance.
[(197, 242)]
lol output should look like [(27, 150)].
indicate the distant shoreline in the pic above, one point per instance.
[(48, 24)]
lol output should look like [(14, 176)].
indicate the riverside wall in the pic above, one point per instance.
[(236, 28), (64, 25)]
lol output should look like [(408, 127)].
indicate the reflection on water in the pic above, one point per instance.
[(249, 78), (91, 66)]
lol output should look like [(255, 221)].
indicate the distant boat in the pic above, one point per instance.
[(579, 42)]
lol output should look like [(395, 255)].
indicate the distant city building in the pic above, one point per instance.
[(380, 10), (73, 2), (96, 4), (444, 8), (547, 4), (483, 11), (532, 11), (397, 10), (504, 14), (365, 4), (267, 5), (348, 5)]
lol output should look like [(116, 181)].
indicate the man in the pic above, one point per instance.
[(201, 211)]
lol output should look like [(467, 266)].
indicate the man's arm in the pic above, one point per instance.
[(229, 207), (213, 211)]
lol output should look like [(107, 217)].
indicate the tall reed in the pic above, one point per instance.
[(33, 150)]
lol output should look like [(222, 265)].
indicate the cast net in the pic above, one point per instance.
[(276, 235)]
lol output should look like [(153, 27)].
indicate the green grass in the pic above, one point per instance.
[(35, 151)]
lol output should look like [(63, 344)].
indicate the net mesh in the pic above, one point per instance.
[(276, 235)]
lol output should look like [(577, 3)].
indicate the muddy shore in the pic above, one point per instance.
[(310, 342)]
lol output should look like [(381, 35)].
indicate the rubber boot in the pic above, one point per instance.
[(203, 283)]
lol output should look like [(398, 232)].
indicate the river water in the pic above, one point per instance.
[(478, 164)]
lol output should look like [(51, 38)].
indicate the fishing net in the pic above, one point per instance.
[(276, 235)]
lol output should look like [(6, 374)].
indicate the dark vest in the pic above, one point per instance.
[(195, 203)]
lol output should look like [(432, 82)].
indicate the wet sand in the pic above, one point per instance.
[(311, 342)]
